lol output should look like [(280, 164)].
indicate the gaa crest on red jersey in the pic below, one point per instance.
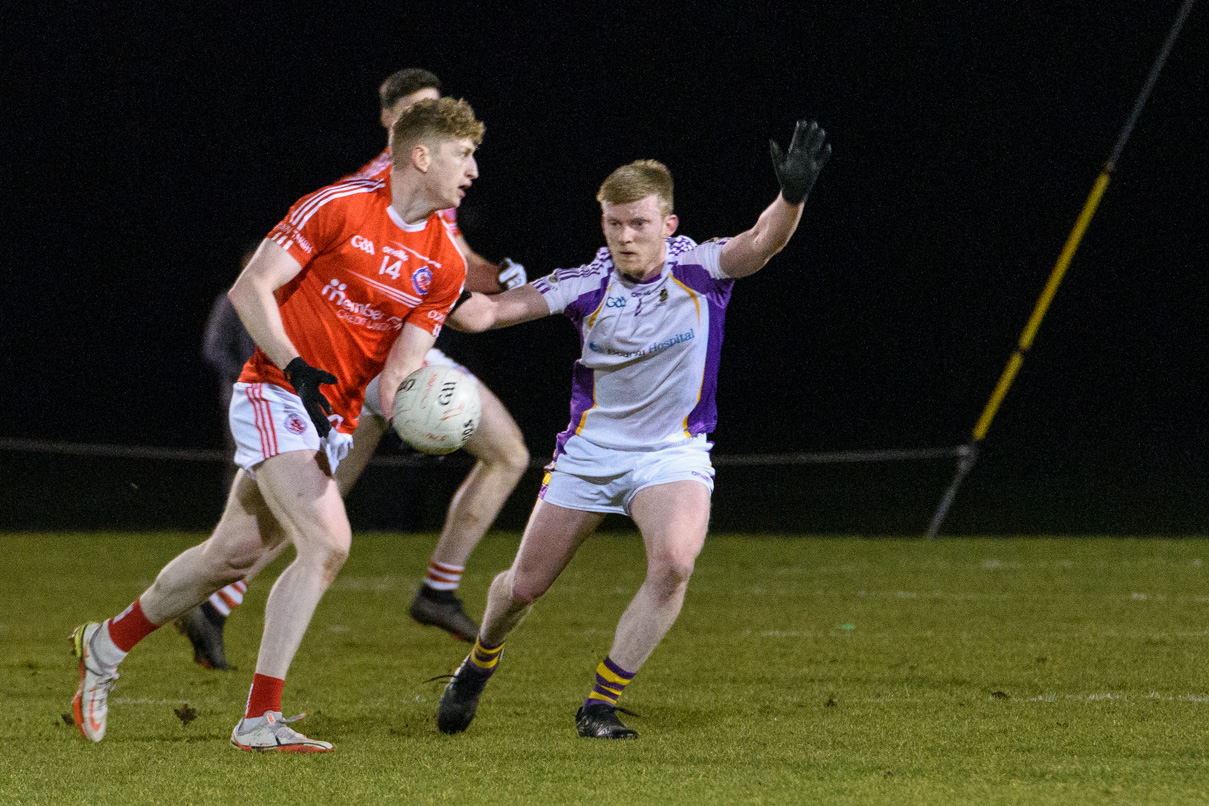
[(295, 424), (421, 280)]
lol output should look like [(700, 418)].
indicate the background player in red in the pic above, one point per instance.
[(498, 446), (356, 281)]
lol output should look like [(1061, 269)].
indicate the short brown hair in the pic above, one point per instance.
[(429, 121), (404, 83), (636, 181)]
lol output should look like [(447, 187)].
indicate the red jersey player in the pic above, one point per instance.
[(356, 281), (498, 446)]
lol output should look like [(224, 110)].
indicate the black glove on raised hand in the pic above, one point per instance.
[(797, 170), (306, 381)]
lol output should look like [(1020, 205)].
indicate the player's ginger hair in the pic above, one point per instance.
[(636, 181), (429, 121)]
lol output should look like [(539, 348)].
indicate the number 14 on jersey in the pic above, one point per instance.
[(391, 265)]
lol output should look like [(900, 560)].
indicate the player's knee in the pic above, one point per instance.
[(502, 584), (327, 559), (507, 456), (527, 591), (233, 569), (671, 572), (335, 551), (516, 460), (326, 555), (333, 562), (226, 563)]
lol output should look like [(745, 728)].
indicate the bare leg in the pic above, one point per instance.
[(502, 458), (549, 542), (365, 441), (189, 578), (673, 519), (370, 429), (551, 538), (307, 504), (247, 529)]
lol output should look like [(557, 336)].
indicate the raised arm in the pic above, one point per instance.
[(797, 171), (487, 311)]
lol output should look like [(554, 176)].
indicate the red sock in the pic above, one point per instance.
[(130, 626), (264, 696)]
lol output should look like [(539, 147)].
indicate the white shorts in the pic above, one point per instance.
[(267, 420), (595, 479), (433, 358)]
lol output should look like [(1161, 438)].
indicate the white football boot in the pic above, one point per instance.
[(90, 706), (271, 733)]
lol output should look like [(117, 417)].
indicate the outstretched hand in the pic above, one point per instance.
[(512, 274), (797, 169), (306, 381)]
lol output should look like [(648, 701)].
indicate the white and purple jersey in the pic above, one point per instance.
[(648, 371)]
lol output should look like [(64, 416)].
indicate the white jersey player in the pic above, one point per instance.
[(647, 347), (649, 310), (647, 374)]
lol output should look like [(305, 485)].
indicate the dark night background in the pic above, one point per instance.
[(143, 151)]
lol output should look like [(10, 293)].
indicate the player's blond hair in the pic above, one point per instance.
[(636, 181), (430, 121)]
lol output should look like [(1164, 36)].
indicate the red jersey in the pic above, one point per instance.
[(365, 272), (379, 166)]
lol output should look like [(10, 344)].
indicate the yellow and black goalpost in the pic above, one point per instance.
[(968, 454)]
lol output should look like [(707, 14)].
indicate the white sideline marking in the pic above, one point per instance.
[(932, 595), (1052, 697), (374, 584), (989, 564), (828, 631), (1099, 697), (152, 701), (788, 634), (1136, 596)]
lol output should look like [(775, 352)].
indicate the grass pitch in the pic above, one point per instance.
[(801, 670)]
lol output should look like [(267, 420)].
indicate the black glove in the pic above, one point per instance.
[(306, 381), (797, 170)]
